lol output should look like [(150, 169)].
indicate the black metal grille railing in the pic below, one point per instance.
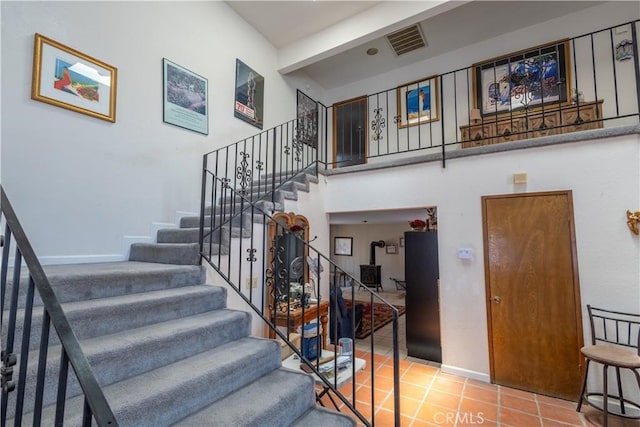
[(584, 82), (293, 281), (17, 315)]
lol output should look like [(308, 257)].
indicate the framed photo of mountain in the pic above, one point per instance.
[(249, 99), (523, 79), (67, 78)]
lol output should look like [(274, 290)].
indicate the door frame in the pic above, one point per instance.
[(365, 128), (574, 265)]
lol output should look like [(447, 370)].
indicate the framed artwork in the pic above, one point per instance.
[(307, 114), (391, 249), (185, 96), (69, 79), (523, 79), (418, 102), (402, 242), (343, 246), (249, 95)]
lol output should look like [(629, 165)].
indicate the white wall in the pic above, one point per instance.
[(604, 176), (80, 184)]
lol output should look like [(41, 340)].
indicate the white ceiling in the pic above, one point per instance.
[(286, 22)]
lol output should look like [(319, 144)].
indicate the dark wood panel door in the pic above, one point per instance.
[(533, 307), (350, 132)]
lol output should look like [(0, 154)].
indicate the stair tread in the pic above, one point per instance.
[(178, 339), (181, 388), (316, 416), (276, 399)]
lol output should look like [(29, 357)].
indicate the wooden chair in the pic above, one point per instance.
[(614, 343)]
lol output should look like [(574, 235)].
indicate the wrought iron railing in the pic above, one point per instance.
[(19, 309), (584, 82), (243, 248)]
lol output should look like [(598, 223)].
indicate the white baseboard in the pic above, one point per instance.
[(80, 259), (461, 372)]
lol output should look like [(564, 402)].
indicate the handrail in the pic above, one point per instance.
[(276, 272), (95, 401)]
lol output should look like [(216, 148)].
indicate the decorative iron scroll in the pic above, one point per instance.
[(377, 124), (243, 173)]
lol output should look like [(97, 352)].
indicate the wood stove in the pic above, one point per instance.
[(370, 275)]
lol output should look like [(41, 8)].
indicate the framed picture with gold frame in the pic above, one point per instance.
[(418, 102), (522, 80), (70, 79)]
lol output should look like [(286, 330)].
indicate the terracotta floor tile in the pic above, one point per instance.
[(363, 395), (515, 418), (420, 379), (412, 391), (446, 384), (386, 418), (476, 423), (557, 402), (481, 393), (477, 411), (557, 413), (440, 398), (384, 371), (384, 383), (518, 393), (553, 423), (518, 403), (481, 384), (435, 414), (418, 368), (409, 407)]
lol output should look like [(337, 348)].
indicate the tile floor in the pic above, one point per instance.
[(429, 397)]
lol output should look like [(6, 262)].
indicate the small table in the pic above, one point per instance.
[(310, 314), (344, 375)]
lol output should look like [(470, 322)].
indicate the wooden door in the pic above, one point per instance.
[(350, 132), (533, 307)]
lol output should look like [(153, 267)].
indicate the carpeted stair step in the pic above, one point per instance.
[(231, 207), (275, 399), (318, 416), (166, 253), (104, 316), (190, 235), (243, 219), (168, 394), (132, 352), (80, 282)]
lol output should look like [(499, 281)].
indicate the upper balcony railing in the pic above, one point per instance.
[(586, 82)]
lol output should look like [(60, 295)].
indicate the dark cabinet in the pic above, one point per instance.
[(423, 302)]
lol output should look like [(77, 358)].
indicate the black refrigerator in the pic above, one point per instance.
[(423, 302)]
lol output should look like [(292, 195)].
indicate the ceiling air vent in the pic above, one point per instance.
[(406, 40)]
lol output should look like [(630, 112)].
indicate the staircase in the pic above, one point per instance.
[(163, 344)]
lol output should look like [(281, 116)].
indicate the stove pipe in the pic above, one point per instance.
[(374, 244)]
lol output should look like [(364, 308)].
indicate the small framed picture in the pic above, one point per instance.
[(391, 249), (418, 102), (343, 246), (402, 242)]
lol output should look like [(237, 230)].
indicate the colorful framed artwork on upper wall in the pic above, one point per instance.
[(69, 79), (185, 96), (249, 98), (523, 79), (418, 102)]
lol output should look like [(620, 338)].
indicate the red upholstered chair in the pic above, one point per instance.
[(614, 344)]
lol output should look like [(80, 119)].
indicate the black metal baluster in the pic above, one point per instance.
[(24, 350), (62, 388), (42, 367), (615, 78), (86, 414)]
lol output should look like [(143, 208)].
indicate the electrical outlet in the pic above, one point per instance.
[(251, 283)]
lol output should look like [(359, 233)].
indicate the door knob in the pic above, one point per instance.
[(496, 300)]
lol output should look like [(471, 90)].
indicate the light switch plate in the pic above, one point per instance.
[(465, 253)]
